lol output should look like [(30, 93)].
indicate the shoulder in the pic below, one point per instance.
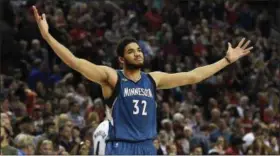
[(156, 76), (151, 76), (112, 77), (117, 72), (13, 149), (10, 150), (102, 126)]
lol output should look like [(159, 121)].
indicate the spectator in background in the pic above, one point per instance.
[(167, 125), (154, 19), (258, 147), (74, 115), (157, 146), (200, 139), (48, 129), (37, 52), (56, 76), (197, 150), (24, 143), (64, 105), (218, 147), (36, 74), (249, 138), (44, 147), (65, 138), (264, 24), (172, 149), (26, 126), (235, 147), (6, 122), (274, 145), (6, 148), (247, 121), (163, 139)]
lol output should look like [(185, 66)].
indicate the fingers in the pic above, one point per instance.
[(248, 49), (35, 11), (44, 16), (241, 43), (246, 44), (229, 45), (246, 52), (36, 14)]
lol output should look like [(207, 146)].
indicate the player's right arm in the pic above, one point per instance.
[(95, 73)]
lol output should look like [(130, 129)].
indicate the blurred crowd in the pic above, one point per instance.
[(47, 108)]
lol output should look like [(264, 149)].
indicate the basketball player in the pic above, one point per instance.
[(131, 93), (100, 137)]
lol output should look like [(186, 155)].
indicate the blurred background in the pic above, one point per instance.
[(47, 108)]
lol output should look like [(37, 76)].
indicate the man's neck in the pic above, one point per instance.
[(133, 75)]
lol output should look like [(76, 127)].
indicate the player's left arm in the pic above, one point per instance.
[(166, 80)]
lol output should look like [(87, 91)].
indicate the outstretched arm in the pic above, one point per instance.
[(95, 73), (166, 80)]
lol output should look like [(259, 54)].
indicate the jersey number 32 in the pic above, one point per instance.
[(136, 107)]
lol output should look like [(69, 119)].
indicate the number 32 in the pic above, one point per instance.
[(136, 107)]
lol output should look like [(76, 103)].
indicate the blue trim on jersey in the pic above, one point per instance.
[(134, 110)]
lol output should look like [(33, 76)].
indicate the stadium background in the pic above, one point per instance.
[(236, 110)]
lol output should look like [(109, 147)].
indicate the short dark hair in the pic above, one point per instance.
[(256, 127), (123, 43), (47, 115), (205, 128), (236, 140), (26, 120), (48, 124)]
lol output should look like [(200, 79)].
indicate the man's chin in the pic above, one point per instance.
[(135, 66)]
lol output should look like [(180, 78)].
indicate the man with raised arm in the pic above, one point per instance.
[(131, 93)]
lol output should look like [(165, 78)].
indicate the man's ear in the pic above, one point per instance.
[(121, 60)]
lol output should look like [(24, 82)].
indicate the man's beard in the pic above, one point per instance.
[(132, 66)]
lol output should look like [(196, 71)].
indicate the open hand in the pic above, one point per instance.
[(241, 50), (42, 23)]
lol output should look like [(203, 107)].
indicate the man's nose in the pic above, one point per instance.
[(137, 54)]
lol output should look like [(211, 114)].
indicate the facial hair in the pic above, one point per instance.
[(132, 66)]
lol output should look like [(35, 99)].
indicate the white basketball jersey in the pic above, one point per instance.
[(100, 136)]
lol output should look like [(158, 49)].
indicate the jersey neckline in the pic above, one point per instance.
[(130, 79)]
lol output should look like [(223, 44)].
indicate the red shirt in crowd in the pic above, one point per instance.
[(154, 20), (247, 124), (231, 14), (198, 48), (232, 151), (30, 101), (78, 34)]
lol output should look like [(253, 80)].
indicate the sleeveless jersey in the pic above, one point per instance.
[(100, 136), (133, 109)]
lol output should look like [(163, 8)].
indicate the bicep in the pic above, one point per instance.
[(167, 80), (96, 73)]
